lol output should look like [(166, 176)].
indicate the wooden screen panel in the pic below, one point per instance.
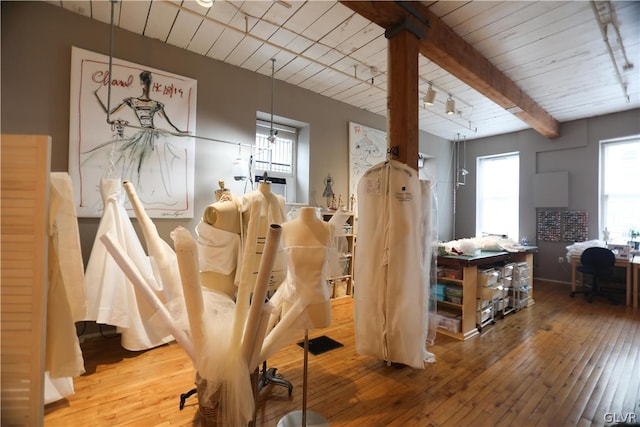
[(23, 239)]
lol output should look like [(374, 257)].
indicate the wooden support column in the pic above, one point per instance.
[(402, 95)]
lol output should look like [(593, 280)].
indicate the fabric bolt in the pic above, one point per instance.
[(390, 315)]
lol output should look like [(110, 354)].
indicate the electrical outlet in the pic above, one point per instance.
[(560, 260)]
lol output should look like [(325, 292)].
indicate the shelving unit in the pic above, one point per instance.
[(466, 308), (466, 319), (343, 284)]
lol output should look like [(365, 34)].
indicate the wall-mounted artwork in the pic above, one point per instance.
[(146, 141), (562, 226), (549, 225), (367, 147), (575, 226)]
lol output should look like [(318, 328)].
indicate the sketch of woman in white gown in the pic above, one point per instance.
[(133, 157)]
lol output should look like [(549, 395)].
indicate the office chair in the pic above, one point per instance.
[(598, 263)]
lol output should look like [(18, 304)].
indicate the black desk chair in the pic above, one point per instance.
[(598, 263)]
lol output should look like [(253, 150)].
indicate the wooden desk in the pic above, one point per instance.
[(623, 263), (469, 265)]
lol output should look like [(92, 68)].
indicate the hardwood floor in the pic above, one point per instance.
[(560, 362)]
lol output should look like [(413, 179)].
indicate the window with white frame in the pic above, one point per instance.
[(620, 188), (498, 195), (276, 156)]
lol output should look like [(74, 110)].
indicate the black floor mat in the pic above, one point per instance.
[(321, 345)]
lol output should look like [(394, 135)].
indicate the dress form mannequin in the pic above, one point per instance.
[(272, 211), (309, 230), (219, 244), (222, 193), (302, 300)]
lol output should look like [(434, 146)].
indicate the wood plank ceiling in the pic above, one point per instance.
[(553, 53)]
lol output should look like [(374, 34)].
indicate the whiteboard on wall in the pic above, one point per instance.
[(551, 190)]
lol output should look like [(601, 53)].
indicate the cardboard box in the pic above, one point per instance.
[(339, 288), (451, 324)]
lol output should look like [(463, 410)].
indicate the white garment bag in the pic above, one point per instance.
[(391, 278)]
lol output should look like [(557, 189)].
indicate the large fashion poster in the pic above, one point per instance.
[(138, 133), (367, 147)]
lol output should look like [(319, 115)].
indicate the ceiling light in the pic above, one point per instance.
[(205, 3), (451, 105), (430, 96), (283, 3)]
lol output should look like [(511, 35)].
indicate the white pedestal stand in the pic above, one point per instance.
[(304, 418)]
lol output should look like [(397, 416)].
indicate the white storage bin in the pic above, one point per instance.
[(488, 277), (505, 271)]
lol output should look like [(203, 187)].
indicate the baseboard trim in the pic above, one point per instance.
[(561, 282)]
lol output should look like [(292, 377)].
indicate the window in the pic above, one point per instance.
[(619, 188), (277, 158), (497, 195)]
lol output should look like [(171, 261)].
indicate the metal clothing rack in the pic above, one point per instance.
[(265, 377)]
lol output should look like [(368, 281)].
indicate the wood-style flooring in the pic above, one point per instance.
[(559, 362)]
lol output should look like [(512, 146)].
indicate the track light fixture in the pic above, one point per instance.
[(205, 3), (272, 131), (430, 96), (451, 106)]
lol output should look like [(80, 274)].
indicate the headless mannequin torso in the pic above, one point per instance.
[(302, 300), (308, 231)]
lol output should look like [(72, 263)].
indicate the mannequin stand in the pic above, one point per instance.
[(304, 418), (268, 376)]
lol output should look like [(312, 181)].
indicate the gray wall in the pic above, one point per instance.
[(36, 61), (575, 151)]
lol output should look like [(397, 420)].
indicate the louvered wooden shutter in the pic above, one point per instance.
[(24, 186)]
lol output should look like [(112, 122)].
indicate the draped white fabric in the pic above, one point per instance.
[(111, 297), (65, 298)]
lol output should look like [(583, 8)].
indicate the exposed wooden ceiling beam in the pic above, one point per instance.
[(448, 50)]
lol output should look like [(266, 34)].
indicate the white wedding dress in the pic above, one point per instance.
[(111, 297)]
